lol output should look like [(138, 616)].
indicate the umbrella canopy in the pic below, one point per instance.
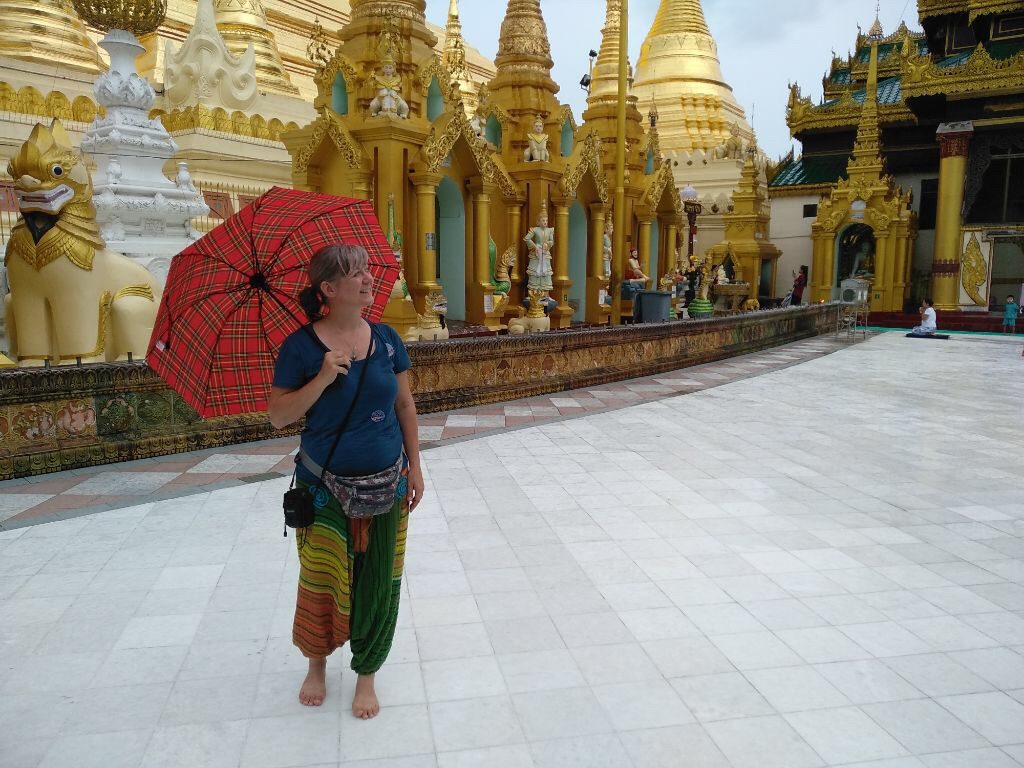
[(231, 298)]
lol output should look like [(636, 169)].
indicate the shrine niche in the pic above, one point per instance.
[(855, 253)]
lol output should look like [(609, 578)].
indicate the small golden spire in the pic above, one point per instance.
[(454, 56), (604, 82), (524, 38), (245, 21)]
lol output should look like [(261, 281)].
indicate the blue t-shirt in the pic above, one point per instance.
[(372, 441)]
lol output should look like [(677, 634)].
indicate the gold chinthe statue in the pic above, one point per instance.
[(71, 299)]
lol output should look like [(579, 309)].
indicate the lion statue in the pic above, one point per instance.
[(431, 325), (71, 299)]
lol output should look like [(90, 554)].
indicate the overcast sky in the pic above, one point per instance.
[(762, 45)]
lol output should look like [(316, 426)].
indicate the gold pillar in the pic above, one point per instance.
[(425, 269), (596, 282), (481, 284), (514, 212), (643, 251), (562, 315), (671, 256), (954, 140), (822, 256)]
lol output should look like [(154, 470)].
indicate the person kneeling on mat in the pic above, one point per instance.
[(927, 326)]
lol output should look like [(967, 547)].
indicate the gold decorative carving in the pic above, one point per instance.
[(803, 115), (140, 17), (201, 117), (439, 145), (927, 9), (28, 101), (973, 270), (326, 75), (329, 126), (449, 85), (586, 155), (978, 74), (387, 9)]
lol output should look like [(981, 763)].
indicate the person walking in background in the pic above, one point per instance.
[(1010, 313), (350, 566), (799, 283)]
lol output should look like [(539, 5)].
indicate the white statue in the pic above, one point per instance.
[(388, 100), (540, 240), (538, 149)]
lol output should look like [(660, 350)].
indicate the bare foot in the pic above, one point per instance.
[(364, 704), (314, 687)]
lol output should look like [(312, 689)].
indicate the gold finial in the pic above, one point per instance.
[(524, 36), (454, 56), (318, 51), (876, 33), (140, 17)]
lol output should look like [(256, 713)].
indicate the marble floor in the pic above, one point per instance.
[(819, 565)]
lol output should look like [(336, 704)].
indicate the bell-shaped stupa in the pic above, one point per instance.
[(679, 72)]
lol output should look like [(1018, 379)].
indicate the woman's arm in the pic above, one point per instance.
[(286, 406), (405, 409)]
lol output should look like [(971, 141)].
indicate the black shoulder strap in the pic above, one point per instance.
[(351, 408)]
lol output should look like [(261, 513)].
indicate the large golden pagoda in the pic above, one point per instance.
[(679, 72)]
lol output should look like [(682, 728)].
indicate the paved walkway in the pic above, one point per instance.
[(817, 566), (60, 495)]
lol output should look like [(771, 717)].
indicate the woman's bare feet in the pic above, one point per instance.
[(314, 687), (364, 704)]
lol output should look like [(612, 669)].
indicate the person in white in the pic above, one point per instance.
[(927, 326)]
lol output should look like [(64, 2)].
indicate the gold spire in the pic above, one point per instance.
[(48, 32), (679, 70), (454, 57), (676, 17), (245, 21), (523, 84), (523, 43), (604, 82), (867, 150)]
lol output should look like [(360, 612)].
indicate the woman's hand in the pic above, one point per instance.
[(335, 364), (415, 487)]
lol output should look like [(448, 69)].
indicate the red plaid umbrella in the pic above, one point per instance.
[(231, 298)]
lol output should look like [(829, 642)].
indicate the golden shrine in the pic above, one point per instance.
[(940, 114), (393, 125)]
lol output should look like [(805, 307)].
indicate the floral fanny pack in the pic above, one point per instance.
[(363, 495)]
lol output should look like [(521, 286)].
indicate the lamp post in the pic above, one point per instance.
[(692, 208)]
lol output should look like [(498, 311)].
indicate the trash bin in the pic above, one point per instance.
[(652, 306)]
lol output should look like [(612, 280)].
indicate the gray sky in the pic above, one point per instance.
[(762, 45)]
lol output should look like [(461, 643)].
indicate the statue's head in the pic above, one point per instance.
[(388, 68), (542, 218), (436, 302), (48, 176), (538, 124)]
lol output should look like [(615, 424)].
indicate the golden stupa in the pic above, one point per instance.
[(679, 72)]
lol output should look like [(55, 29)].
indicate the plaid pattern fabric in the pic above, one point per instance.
[(217, 334)]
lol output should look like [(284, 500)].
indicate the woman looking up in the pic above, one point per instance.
[(350, 568)]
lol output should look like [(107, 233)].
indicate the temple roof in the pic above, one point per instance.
[(811, 171)]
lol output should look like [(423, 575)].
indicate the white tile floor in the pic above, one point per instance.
[(821, 566)]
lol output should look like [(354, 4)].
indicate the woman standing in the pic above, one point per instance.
[(350, 568), (799, 283)]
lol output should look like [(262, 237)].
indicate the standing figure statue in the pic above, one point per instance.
[(540, 240), (388, 100), (606, 248), (538, 149)]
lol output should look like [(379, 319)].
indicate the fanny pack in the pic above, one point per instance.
[(360, 496)]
